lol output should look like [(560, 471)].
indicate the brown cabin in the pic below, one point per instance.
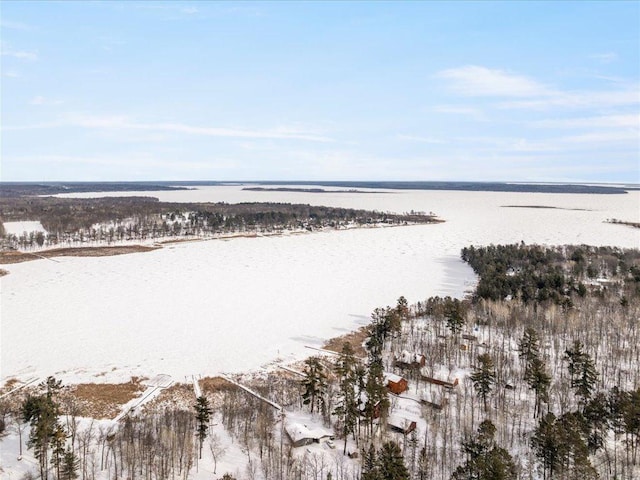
[(396, 384)]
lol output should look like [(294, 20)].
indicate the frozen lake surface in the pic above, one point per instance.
[(240, 304)]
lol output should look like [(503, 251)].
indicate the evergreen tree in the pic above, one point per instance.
[(391, 463), (402, 308), (529, 346), (454, 315), (377, 401), (561, 445), (42, 414), (539, 381), (484, 377), (315, 384), (70, 464), (203, 415), (58, 443), (370, 470), (598, 417), (546, 445), (485, 460), (347, 407), (582, 372)]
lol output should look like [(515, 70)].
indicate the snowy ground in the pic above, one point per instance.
[(238, 305), (18, 228)]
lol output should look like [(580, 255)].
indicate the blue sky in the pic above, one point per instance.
[(527, 91)]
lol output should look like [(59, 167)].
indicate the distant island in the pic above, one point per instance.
[(54, 188), (623, 222), (546, 207), (304, 190), (454, 186)]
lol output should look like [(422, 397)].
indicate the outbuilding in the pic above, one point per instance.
[(301, 435), (395, 383), (400, 424)]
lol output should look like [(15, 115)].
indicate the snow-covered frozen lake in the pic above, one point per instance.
[(237, 305)]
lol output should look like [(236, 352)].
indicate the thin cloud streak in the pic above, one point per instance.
[(478, 81), (606, 121), (19, 54), (123, 123)]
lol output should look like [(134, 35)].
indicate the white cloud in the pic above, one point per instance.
[(587, 99), (415, 138), (528, 94), (189, 10), (20, 54), (621, 136), (607, 57), (474, 80), (8, 24), (456, 109), (122, 122), (606, 121), (39, 100)]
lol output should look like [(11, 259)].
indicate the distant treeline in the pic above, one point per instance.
[(51, 188), (70, 220), (15, 189), (466, 186)]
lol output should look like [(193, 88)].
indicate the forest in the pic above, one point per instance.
[(72, 222), (534, 376)]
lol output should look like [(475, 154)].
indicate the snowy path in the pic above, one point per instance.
[(257, 395), (154, 387), (19, 387)]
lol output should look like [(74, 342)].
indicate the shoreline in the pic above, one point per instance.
[(9, 257)]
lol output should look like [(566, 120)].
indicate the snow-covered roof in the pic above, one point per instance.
[(298, 431), (392, 377), (399, 421), (408, 357)]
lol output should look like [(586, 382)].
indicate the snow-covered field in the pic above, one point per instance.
[(18, 228), (237, 305)]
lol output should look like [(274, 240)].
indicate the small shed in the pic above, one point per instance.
[(395, 383), (400, 424)]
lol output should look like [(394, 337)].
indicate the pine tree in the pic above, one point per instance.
[(70, 464), (370, 470), (582, 371), (539, 381), (347, 407), (485, 460), (546, 445), (529, 346), (561, 445), (391, 463), (42, 414), (203, 415), (402, 308), (484, 377), (454, 315), (315, 384), (58, 441), (598, 417), (377, 401)]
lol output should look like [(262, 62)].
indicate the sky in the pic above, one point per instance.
[(475, 91)]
